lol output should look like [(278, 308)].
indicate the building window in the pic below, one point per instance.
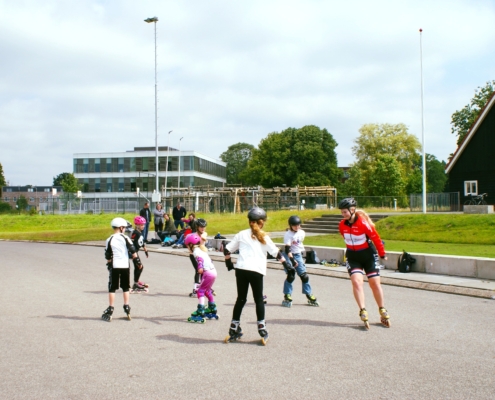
[(145, 164), (30, 190), (109, 166), (470, 188), (85, 165), (97, 185), (121, 165), (47, 190), (97, 165), (8, 190), (109, 187), (121, 184), (6, 199)]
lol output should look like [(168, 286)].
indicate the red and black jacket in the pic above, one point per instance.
[(356, 235)]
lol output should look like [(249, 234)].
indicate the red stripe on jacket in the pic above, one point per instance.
[(356, 234)]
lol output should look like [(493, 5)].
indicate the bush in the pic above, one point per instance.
[(5, 207)]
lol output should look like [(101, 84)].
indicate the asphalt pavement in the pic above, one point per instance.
[(54, 344)]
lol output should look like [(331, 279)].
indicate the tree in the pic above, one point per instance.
[(375, 140), (22, 203), (304, 157), (57, 180), (237, 157), (436, 178), (68, 182), (5, 207), (462, 120), (2, 179), (385, 178), (354, 186)]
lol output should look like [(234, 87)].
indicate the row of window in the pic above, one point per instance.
[(33, 190), (145, 184), (30, 199), (144, 164)]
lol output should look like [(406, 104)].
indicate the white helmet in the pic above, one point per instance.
[(118, 222)]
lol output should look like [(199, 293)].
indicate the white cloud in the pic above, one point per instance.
[(79, 76)]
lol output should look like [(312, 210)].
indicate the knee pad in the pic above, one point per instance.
[(291, 275), (304, 277), (201, 293)]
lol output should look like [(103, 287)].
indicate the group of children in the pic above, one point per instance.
[(252, 245)]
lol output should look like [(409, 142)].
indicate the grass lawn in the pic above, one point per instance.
[(454, 234)]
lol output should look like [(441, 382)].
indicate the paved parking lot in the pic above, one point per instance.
[(54, 344)]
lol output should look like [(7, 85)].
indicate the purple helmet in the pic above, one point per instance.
[(192, 238), (139, 220)]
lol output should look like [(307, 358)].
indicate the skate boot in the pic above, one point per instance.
[(138, 288), (312, 300), (235, 332), (127, 310), (198, 315), (107, 314), (384, 317), (211, 311), (143, 284), (287, 302), (363, 314), (263, 332)]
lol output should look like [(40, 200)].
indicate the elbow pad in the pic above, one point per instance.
[(229, 264), (225, 251), (287, 250)]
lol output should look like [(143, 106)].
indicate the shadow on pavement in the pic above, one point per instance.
[(75, 318), (312, 323), (187, 340)]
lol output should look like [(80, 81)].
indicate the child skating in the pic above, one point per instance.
[(138, 241), (117, 250), (200, 227), (357, 228), (208, 275), (253, 244), (293, 240)]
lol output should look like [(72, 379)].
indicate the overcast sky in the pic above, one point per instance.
[(78, 75)]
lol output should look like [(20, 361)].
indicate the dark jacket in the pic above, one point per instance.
[(146, 214), (179, 213)]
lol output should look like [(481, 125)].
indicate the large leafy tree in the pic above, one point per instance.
[(464, 118), (375, 140), (436, 179), (2, 179), (57, 180), (304, 156), (68, 182), (21, 203), (237, 157), (354, 186), (385, 178)]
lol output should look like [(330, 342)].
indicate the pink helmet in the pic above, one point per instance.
[(193, 239), (139, 220)]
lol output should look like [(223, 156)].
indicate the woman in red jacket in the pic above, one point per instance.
[(357, 229)]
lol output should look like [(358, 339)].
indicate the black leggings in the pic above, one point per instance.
[(197, 277), (245, 278)]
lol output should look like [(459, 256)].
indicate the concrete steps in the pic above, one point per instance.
[(329, 223)]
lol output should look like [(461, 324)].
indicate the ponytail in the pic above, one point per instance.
[(256, 232), (365, 216)]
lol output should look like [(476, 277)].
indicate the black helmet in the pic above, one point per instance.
[(294, 220), (347, 203), (256, 214), (201, 222)]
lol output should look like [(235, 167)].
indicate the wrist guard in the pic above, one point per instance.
[(293, 262), (146, 252), (109, 265), (229, 264), (225, 251)]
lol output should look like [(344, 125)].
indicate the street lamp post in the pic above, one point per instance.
[(155, 20), (178, 182), (422, 119), (166, 166)]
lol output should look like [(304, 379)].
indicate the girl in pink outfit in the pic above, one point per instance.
[(208, 275)]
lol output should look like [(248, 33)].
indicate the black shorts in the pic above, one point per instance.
[(361, 262), (116, 276)]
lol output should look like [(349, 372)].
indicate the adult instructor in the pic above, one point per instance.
[(146, 214), (178, 213)]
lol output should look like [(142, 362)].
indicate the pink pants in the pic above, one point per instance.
[(207, 281)]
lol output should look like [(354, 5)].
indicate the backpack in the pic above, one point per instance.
[(405, 262), (312, 257)]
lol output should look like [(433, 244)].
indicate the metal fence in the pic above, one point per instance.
[(240, 200)]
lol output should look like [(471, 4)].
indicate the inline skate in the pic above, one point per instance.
[(287, 302), (363, 314), (235, 332), (198, 315), (127, 310), (107, 314), (312, 300), (138, 288), (263, 332), (384, 317), (211, 311)]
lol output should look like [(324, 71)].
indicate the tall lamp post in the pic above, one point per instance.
[(155, 20), (166, 166), (178, 182)]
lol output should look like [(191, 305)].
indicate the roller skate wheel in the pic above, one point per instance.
[(264, 341), (128, 317), (367, 325), (191, 294), (227, 339), (385, 322)]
